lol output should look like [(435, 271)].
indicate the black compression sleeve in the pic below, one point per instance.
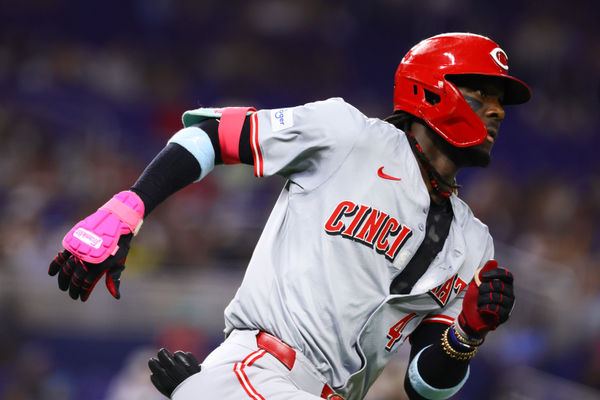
[(172, 169), (210, 126), (175, 167), (245, 150), (435, 366)]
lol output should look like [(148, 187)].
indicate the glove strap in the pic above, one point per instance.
[(125, 213)]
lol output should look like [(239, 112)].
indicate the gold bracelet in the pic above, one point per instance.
[(457, 355), (463, 338)]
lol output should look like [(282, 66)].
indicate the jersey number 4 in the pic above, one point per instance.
[(395, 332)]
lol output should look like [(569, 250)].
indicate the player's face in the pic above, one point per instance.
[(485, 96)]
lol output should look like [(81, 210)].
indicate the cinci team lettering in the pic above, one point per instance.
[(368, 226)]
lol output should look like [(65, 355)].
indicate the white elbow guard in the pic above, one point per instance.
[(197, 142)]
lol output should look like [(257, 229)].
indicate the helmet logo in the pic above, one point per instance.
[(500, 58)]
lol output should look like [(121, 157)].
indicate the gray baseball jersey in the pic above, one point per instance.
[(349, 219)]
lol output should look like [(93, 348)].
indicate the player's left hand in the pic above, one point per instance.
[(488, 301), (169, 370), (79, 277), (98, 245)]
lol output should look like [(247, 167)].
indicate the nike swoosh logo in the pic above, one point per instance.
[(383, 175)]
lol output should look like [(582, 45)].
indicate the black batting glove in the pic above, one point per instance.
[(496, 295), (169, 370), (488, 302), (79, 277)]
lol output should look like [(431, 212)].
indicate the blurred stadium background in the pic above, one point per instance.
[(90, 91)]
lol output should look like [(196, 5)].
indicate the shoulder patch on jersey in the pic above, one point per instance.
[(281, 119)]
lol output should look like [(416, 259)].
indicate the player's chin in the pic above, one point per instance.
[(477, 156), (474, 156)]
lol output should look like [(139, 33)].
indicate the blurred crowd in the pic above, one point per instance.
[(90, 92)]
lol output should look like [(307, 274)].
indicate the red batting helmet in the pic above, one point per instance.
[(422, 88)]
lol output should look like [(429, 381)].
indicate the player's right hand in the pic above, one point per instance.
[(169, 370), (488, 302), (97, 245)]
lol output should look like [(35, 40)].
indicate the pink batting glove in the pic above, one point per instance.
[(97, 245), (95, 238)]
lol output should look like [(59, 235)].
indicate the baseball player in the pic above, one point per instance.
[(368, 244)]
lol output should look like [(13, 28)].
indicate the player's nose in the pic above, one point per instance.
[(495, 110)]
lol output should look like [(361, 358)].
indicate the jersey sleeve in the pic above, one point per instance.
[(306, 143)]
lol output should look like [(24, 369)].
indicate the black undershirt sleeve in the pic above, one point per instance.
[(246, 156), (435, 366), (211, 127), (171, 170), (174, 167)]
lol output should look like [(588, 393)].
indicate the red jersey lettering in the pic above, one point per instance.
[(404, 234), (371, 227), (368, 226), (395, 332), (390, 227), (356, 222), (448, 289), (334, 225)]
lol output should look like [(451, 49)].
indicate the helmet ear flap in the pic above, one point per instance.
[(454, 119), (442, 107), (415, 95)]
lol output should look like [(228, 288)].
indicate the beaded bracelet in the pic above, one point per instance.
[(452, 353)]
